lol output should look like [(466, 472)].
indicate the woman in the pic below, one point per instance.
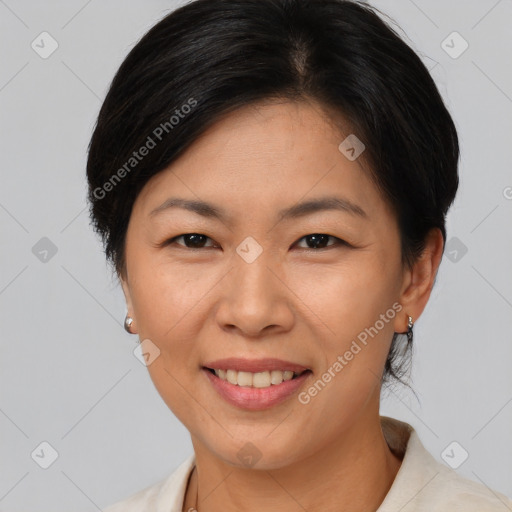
[(270, 179)]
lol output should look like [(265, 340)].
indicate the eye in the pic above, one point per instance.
[(192, 240), (319, 240), (197, 241)]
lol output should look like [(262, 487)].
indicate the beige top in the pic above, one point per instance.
[(421, 485)]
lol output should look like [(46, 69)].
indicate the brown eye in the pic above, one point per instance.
[(319, 241), (191, 240)]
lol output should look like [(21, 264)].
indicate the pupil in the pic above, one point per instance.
[(196, 239), (318, 239)]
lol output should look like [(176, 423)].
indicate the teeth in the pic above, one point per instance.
[(256, 380)]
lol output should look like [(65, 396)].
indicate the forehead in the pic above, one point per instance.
[(265, 156)]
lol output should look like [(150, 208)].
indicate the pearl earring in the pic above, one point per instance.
[(128, 321)]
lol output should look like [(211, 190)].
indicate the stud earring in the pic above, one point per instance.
[(128, 321)]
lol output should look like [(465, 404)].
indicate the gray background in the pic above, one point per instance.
[(68, 375)]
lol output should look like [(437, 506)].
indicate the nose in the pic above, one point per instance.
[(256, 299)]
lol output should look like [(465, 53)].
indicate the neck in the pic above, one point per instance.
[(352, 475)]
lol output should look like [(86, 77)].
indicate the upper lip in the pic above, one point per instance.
[(254, 365)]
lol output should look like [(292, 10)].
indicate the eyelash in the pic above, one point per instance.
[(338, 242)]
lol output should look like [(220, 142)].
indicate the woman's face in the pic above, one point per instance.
[(252, 284)]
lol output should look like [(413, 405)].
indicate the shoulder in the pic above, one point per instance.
[(452, 492), (166, 495), (424, 484)]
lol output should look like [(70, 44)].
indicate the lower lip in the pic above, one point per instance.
[(256, 399)]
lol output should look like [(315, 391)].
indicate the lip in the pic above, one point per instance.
[(255, 399), (254, 365)]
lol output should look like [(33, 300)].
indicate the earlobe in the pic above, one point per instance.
[(420, 279), (129, 325)]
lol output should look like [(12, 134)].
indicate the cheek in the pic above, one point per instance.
[(346, 304), (346, 297), (167, 300), (167, 305)]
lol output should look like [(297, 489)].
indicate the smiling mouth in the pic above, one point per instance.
[(263, 379)]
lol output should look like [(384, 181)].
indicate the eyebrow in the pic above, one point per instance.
[(299, 210)]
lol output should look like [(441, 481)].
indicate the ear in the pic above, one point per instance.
[(419, 280), (128, 299)]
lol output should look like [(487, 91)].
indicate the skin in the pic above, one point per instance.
[(200, 304)]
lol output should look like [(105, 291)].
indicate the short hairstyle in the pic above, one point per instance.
[(211, 57)]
